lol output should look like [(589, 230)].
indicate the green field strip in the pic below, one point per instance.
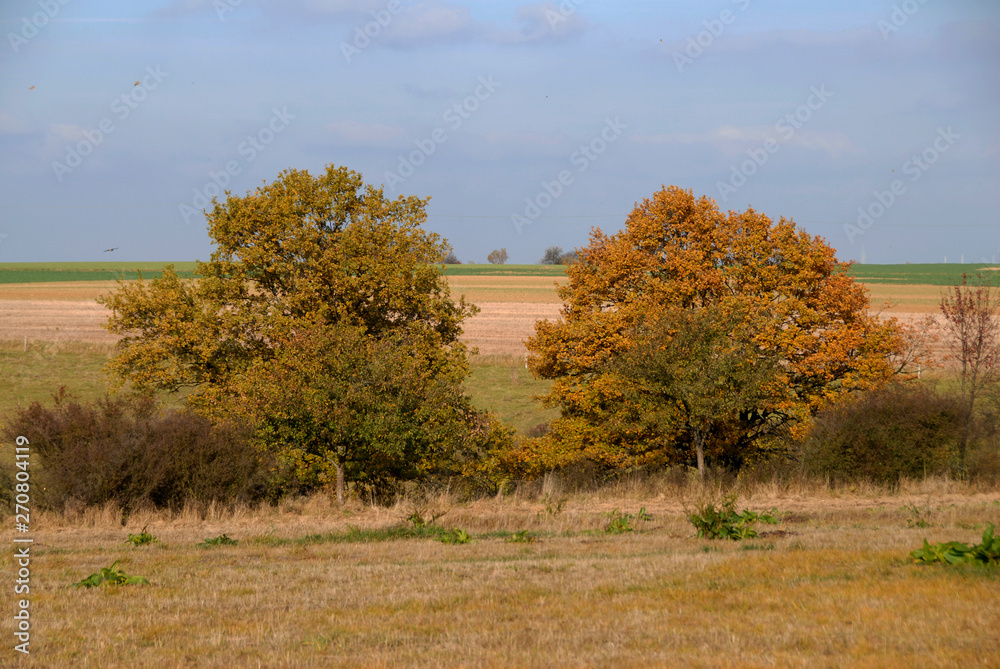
[(47, 272), (938, 274)]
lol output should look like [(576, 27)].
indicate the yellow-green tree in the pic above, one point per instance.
[(692, 373), (293, 255), (797, 309), (372, 408)]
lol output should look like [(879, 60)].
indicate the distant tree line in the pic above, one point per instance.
[(554, 255)]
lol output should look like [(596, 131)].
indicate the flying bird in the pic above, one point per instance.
[(111, 249)]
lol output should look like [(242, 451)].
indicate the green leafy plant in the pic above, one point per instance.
[(522, 537), (918, 517), (144, 538), (955, 552), (221, 540), (454, 536), (110, 576), (723, 522), (619, 524), (418, 517), (622, 522)]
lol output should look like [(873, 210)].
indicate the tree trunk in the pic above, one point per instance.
[(340, 481), (699, 446)]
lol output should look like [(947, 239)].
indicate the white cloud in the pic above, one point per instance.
[(343, 7), (542, 22), (428, 22)]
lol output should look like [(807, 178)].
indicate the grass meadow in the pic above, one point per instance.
[(540, 584)]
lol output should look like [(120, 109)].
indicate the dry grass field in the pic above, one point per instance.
[(67, 311), (509, 307), (830, 586)]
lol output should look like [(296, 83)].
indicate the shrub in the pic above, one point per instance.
[(127, 451), (898, 431)]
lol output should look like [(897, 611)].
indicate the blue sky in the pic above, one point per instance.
[(873, 124)]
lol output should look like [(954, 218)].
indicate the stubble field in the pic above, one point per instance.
[(311, 584)]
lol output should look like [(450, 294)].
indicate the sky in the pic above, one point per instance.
[(872, 124)]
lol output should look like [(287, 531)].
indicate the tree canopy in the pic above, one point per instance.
[(791, 308), (299, 260), (375, 409)]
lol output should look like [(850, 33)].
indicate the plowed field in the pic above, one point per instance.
[(509, 307)]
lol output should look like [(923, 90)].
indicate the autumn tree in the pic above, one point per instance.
[(972, 337), (497, 256), (798, 308), (296, 254), (690, 372)]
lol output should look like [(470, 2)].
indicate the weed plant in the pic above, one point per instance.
[(144, 538), (955, 552), (622, 522), (110, 576), (723, 522), (454, 536)]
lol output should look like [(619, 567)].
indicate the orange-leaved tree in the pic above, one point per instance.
[(777, 300)]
